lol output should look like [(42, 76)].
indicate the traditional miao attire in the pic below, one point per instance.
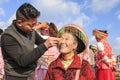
[(57, 71), (78, 69), (104, 59)]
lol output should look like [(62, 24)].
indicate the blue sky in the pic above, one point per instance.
[(89, 14)]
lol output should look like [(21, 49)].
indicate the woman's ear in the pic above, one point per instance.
[(75, 45), (19, 22)]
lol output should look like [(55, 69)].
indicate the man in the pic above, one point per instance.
[(18, 42)]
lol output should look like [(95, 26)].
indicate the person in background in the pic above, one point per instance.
[(1, 60), (104, 58), (85, 54), (93, 52), (50, 55), (17, 43), (69, 65)]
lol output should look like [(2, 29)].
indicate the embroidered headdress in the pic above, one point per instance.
[(80, 34), (100, 34), (93, 46)]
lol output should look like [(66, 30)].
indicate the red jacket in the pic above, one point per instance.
[(56, 70)]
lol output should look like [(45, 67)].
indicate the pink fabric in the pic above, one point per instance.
[(50, 55), (40, 72), (86, 54), (1, 63), (52, 51)]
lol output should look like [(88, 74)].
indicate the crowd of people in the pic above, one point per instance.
[(32, 50)]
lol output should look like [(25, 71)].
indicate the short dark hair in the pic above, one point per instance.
[(27, 11), (1, 31)]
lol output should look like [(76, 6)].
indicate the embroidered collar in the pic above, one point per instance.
[(75, 64)]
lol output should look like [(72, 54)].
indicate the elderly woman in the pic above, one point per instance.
[(105, 59), (69, 66)]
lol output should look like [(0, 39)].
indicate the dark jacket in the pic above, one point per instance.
[(19, 52)]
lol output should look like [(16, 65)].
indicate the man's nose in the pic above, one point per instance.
[(33, 28)]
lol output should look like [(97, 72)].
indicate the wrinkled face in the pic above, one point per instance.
[(67, 44), (27, 26)]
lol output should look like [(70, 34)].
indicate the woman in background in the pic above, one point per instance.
[(93, 53), (105, 61)]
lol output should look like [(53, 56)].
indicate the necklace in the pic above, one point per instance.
[(67, 60), (66, 63)]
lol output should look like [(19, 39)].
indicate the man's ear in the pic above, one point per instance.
[(19, 22)]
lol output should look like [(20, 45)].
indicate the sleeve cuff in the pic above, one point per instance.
[(42, 48)]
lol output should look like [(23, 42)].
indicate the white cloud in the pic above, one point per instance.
[(62, 11), (116, 46), (82, 20), (2, 1), (101, 6), (118, 40), (11, 19), (2, 12), (118, 14), (92, 39), (56, 9), (5, 24), (2, 25), (109, 26)]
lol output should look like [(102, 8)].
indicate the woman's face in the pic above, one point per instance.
[(67, 44)]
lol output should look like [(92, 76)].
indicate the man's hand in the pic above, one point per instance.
[(52, 41)]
